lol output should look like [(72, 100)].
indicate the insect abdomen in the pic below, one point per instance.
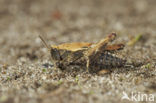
[(110, 60), (105, 61)]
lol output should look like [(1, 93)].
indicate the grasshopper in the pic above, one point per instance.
[(93, 56)]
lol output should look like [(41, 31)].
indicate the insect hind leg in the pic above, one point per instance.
[(100, 46), (115, 47)]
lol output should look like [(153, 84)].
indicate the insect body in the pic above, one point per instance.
[(93, 56)]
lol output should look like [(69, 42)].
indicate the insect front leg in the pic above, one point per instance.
[(71, 58)]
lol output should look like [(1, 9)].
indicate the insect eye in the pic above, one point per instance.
[(55, 54)]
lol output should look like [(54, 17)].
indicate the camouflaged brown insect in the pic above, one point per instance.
[(93, 56)]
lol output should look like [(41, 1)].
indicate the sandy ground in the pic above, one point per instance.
[(26, 73)]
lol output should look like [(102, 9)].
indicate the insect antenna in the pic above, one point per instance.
[(44, 42)]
